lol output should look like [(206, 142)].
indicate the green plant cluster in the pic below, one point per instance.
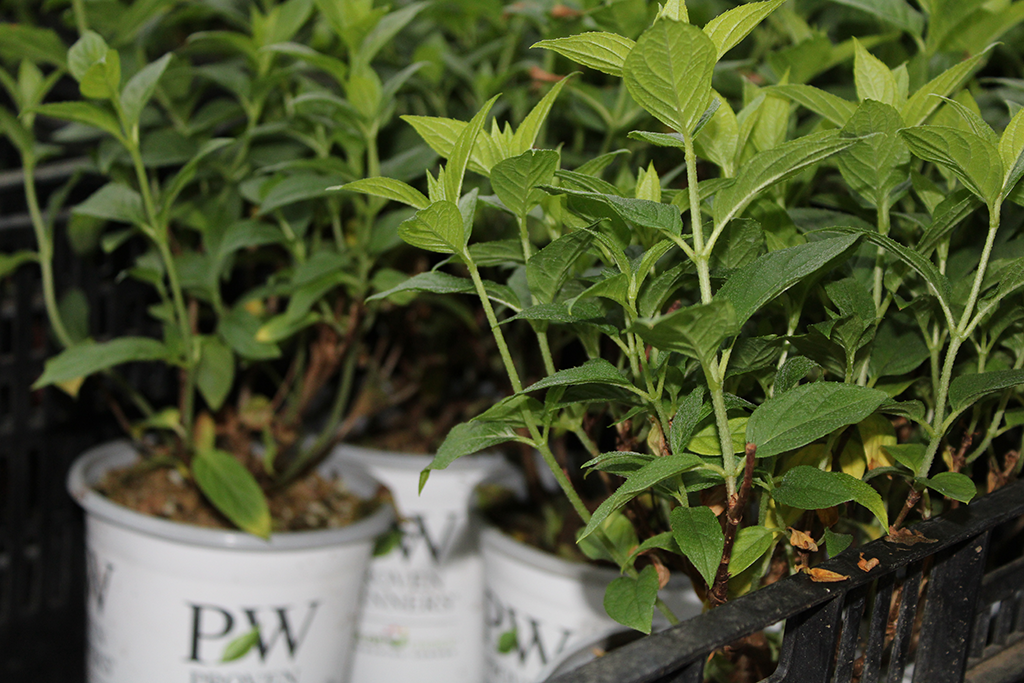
[(820, 305), (760, 261)]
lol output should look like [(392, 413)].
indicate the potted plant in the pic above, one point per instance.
[(768, 356), (226, 239)]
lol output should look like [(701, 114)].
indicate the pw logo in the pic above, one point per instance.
[(98, 574), (275, 628), (529, 637), (417, 532)]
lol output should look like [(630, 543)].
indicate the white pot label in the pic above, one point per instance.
[(422, 616), (163, 612)]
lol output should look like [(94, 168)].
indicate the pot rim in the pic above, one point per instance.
[(407, 461), (492, 537), (93, 463)]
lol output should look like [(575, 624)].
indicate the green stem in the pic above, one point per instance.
[(956, 340), (729, 463), (701, 258), (81, 23), (44, 241)]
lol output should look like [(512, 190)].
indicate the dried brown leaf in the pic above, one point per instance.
[(802, 541), (828, 516), (867, 564), (819, 575), (907, 537)]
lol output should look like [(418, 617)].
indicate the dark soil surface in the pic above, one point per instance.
[(312, 502)]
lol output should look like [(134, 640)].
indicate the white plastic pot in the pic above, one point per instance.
[(166, 599), (538, 607), (422, 615)]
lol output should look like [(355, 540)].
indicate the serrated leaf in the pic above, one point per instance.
[(468, 438), (140, 88), (668, 73), (873, 79), (594, 371), (439, 227), (641, 212), (599, 50), (83, 112), (772, 274), (696, 331), (967, 389), (699, 535), (808, 412), (86, 359), (631, 601), (233, 490), (922, 103), (950, 212), (825, 104), (972, 159), (388, 188), (808, 488), (730, 27), (514, 179), (458, 160), (549, 268), (952, 485), (876, 165), (526, 133), (654, 472), (772, 166)]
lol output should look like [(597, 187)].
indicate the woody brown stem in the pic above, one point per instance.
[(719, 592), (912, 498)]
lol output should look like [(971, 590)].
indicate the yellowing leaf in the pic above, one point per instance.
[(798, 539), (819, 575), (876, 432), (866, 564)]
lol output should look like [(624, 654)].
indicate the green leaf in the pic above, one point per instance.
[(83, 112), (808, 412), (184, 176), (655, 472), (832, 108), (468, 438), (910, 455), (514, 179), (455, 169), (16, 132), (640, 212), (921, 104), (87, 50), (86, 359), (298, 188), (631, 601), (1011, 150), (526, 133), (11, 262), (772, 274), (438, 227), (775, 165), (668, 73), (216, 371), (508, 641), (967, 389), (685, 421), (238, 328), (114, 202), (729, 28), (599, 50), (950, 212), (792, 371), (897, 352), (876, 165), (751, 544), (808, 488), (707, 442), (836, 543), (549, 268), (873, 79), (696, 331), (699, 536), (972, 159), (36, 44), (594, 371), (240, 646), (233, 490), (893, 12), (140, 88), (388, 188), (102, 80), (952, 485)]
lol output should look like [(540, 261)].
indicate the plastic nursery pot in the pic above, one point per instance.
[(169, 602), (539, 607), (422, 616)]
